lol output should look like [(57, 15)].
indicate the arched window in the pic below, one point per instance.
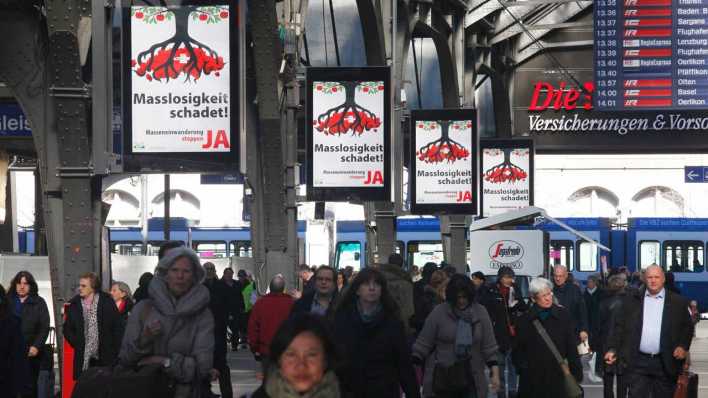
[(658, 201), (182, 204), (593, 201), (125, 208)]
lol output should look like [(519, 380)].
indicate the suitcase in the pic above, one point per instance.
[(687, 385)]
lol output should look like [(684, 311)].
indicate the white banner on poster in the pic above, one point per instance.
[(443, 164), (505, 180), (181, 81), (348, 134)]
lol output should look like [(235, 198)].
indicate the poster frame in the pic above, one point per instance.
[(440, 208), (514, 143), (158, 162), (351, 194)]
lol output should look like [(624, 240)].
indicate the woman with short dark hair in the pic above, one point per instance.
[(458, 332), (93, 326), (14, 367), (304, 361), (32, 310), (368, 327)]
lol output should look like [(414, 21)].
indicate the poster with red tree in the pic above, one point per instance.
[(180, 79), (444, 149), (506, 175), (348, 133)]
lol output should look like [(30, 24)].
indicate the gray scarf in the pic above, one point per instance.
[(90, 313), (277, 387), (463, 336)]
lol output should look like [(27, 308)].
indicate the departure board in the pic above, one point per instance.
[(651, 54)]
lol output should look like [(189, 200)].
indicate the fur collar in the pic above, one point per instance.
[(277, 387)]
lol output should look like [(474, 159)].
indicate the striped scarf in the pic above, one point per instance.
[(90, 312)]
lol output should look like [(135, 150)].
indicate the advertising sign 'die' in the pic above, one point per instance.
[(444, 149), (523, 251), (348, 150), (181, 86), (507, 175)]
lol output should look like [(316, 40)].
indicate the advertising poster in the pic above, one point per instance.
[(507, 175), (444, 161), (349, 141), (182, 83)]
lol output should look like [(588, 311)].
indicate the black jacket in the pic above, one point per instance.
[(540, 374), (14, 366), (676, 329), (234, 299), (35, 320), (378, 358), (592, 305), (500, 313), (610, 307), (304, 304), (570, 297), (110, 331), (423, 303)]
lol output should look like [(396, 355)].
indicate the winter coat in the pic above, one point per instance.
[(110, 331), (570, 297), (425, 301), (676, 330), (401, 288), (304, 304), (35, 320), (234, 299), (276, 387), (436, 344), (378, 358), (502, 316), (267, 315), (540, 375), (218, 305), (14, 365), (610, 307), (592, 304)]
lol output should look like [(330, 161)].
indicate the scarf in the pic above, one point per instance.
[(592, 291), (276, 387), (463, 335), (544, 314), (90, 312), (367, 318)]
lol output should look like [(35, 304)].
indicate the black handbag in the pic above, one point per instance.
[(452, 379)]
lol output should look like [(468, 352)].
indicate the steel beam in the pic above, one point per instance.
[(532, 50)]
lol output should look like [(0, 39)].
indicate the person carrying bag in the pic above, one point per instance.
[(455, 379), (570, 385)]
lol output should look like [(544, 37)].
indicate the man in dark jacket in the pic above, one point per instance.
[(218, 304), (321, 300), (653, 335), (400, 286), (610, 307), (504, 304), (592, 296), (570, 297), (234, 305)]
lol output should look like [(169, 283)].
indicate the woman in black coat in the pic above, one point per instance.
[(14, 367), (93, 326), (367, 326), (32, 310), (540, 373)]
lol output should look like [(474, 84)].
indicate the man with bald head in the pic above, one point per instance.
[(266, 316), (570, 297), (651, 337)]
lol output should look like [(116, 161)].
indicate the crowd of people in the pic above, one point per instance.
[(378, 332)]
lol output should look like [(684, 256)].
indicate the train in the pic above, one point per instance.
[(677, 244)]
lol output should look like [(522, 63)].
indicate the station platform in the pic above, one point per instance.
[(243, 369)]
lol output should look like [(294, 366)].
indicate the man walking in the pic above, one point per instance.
[(570, 297), (267, 315), (321, 300), (653, 335)]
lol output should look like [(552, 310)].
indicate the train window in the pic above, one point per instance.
[(649, 253), (587, 256), (348, 254), (562, 253), (214, 249), (136, 248), (240, 248), (683, 256), (421, 252)]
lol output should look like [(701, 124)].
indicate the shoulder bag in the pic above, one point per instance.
[(570, 386), (452, 379)]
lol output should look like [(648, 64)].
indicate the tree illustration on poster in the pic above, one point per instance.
[(443, 148), (181, 54), (348, 130), (348, 116), (505, 171), (443, 161)]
